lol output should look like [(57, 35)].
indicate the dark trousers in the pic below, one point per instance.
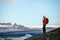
[(44, 29)]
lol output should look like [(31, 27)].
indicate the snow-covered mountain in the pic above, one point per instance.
[(14, 27)]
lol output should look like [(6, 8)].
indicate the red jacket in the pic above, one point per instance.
[(44, 21)]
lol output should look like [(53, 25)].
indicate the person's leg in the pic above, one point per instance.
[(44, 30)]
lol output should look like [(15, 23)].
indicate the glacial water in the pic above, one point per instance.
[(22, 37), (17, 38)]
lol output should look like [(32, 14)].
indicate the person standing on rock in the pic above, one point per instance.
[(45, 21)]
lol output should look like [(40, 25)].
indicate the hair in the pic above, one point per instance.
[(44, 16)]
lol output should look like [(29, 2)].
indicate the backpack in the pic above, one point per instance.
[(47, 21)]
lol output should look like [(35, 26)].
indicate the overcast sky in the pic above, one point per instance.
[(29, 12)]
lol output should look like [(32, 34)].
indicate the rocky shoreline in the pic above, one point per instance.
[(51, 35)]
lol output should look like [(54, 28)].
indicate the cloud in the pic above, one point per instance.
[(9, 1)]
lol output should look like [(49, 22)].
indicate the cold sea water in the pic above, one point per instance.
[(21, 36)]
